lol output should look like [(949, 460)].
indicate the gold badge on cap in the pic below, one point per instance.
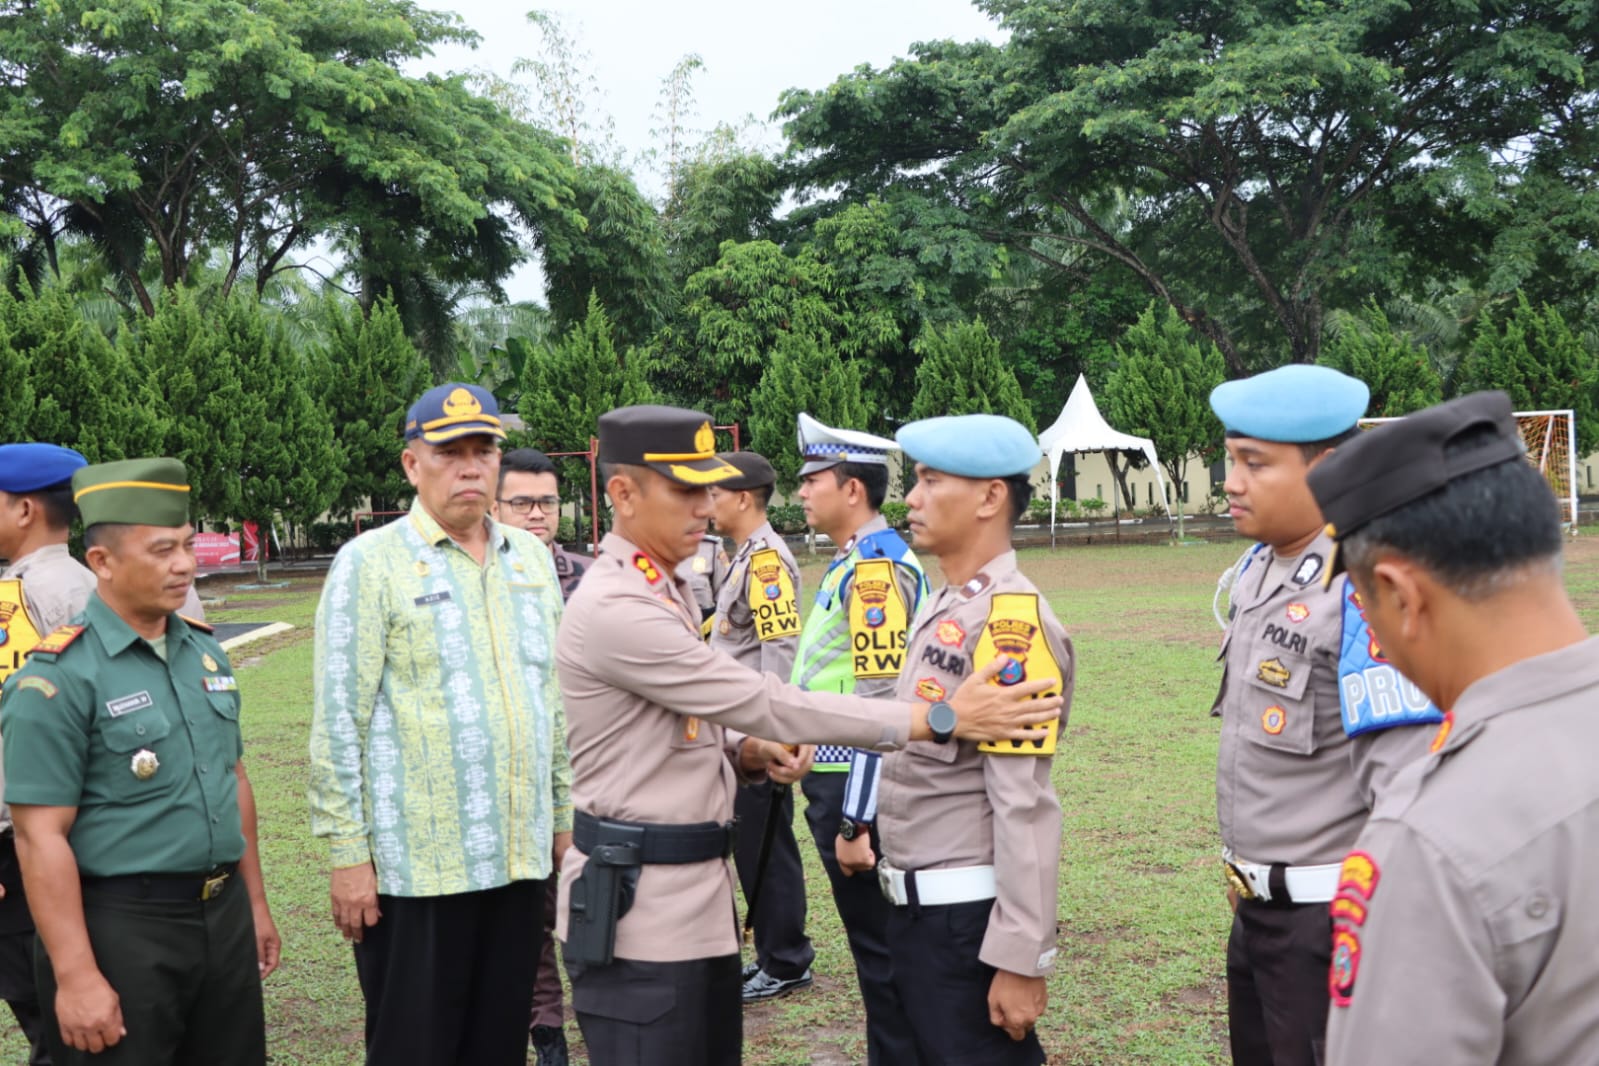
[(704, 438), (208, 662), (460, 403), (145, 764)]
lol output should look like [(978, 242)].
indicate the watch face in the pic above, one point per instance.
[(941, 719), (847, 830)]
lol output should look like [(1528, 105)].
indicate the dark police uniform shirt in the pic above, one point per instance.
[(145, 749)]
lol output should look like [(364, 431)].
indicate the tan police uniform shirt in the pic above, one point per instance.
[(734, 629), (55, 588), (1291, 786), (649, 705), (949, 805), (1476, 883), (705, 571)]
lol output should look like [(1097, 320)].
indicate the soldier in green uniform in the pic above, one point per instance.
[(135, 821)]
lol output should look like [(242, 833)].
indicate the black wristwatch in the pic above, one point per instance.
[(849, 829), (942, 720)]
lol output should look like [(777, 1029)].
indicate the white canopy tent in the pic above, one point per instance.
[(1081, 428)]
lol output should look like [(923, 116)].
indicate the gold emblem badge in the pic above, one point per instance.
[(704, 439), (145, 764), (461, 402), (209, 663), (700, 565), (421, 569), (726, 627)]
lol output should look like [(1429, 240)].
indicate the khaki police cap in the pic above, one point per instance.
[(676, 443), (139, 492)]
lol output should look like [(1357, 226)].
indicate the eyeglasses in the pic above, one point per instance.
[(524, 504)]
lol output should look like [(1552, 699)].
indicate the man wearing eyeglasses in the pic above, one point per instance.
[(529, 498)]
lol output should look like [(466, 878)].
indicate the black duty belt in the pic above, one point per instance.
[(657, 843), (167, 888)]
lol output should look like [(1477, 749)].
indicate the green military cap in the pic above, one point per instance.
[(138, 492), (674, 442)]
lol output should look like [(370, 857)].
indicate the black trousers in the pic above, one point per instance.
[(781, 946), (1277, 960), (660, 1013), (17, 985), (944, 987), (448, 979), (186, 975), (865, 914)]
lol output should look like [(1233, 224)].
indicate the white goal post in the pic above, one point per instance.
[(1548, 436)]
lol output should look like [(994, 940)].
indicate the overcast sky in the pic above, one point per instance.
[(751, 50)]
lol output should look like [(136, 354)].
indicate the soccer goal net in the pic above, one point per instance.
[(1548, 436)]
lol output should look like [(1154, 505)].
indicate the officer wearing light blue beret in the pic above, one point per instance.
[(971, 833), (1312, 724)]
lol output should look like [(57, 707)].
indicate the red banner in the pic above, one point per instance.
[(215, 550)]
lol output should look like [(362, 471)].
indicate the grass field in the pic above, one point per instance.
[(1142, 915)]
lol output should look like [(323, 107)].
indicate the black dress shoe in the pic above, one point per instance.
[(549, 1042), (764, 986)]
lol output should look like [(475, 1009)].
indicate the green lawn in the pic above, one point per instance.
[(1143, 918)]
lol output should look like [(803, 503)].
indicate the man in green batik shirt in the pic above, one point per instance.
[(135, 821), (438, 749)]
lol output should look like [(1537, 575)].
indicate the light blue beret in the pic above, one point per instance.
[(31, 467), (971, 445), (1294, 404)]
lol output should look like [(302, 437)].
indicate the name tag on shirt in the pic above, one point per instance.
[(432, 598), (128, 704)]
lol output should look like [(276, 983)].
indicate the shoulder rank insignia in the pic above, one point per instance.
[(195, 623), (646, 566), (57, 641), (1015, 631)]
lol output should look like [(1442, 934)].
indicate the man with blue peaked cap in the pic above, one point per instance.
[(135, 820), (971, 832), (439, 771), (41, 587), (853, 640), (1467, 915), (1314, 719)]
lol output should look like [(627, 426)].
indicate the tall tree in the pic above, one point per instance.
[(172, 132), (804, 374), (289, 465), (961, 373), (1270, 149), (1160, 389), (1532, 354), (1401, 377), (374, 375)]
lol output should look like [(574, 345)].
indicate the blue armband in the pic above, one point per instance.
[(1371, 692)]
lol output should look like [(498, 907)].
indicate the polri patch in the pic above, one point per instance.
[(950, 634), (1345, 965), (1347, 909), (1359, 875), (441, 596), (1309, 569), (1298, 612), (122, 705), (220, 683), (1274, 673), (40, 685), (929, 689)]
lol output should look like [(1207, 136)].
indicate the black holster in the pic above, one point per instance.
[(602, 893)]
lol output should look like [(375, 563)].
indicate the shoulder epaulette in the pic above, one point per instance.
[(57, 640), (195, 623)]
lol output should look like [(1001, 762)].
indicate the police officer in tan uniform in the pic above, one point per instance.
[(706, 573), (971, 832), (41, 588), (656, 725), (1467, 916), (1314, 721), (758, 622)]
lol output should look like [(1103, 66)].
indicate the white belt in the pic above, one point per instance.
[(935, 888), (1306, 884)]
